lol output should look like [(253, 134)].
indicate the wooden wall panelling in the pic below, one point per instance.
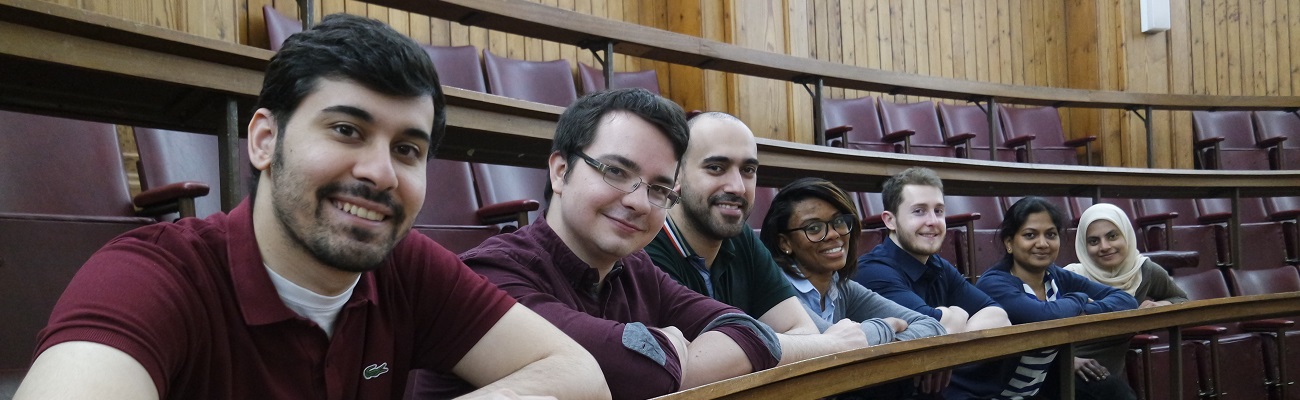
[(975, 65), (1196, 34), (1270, 50), (1261, 48), (943, 53), (1219, 22), (1083, 43), (797, 31), (956, 36), (1288, 15), (762, 103), (1179, 144)]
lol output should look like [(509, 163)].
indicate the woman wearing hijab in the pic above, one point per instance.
[(1108, 255)]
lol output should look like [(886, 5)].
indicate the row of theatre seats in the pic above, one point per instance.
[(1246, 140), (1188, 237)]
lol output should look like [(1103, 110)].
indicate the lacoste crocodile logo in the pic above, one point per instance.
[(374, 371)]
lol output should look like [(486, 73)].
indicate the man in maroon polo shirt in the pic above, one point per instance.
[(314, 287)]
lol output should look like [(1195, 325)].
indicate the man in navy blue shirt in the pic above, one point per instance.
[(907, 269)]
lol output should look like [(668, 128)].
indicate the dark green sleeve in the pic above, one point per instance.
[(666, 257), (768, 287), (1159, 286)]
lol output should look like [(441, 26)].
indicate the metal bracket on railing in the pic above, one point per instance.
[(1144, 113), (307, 11), (596, 47), (819, 128), (990, 112)]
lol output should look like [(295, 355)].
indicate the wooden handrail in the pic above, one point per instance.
[(571, 27), (846, 371)]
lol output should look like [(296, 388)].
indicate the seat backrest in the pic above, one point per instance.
[(547, 82), (861, 114), (957, 120), (921, 118), (64, 167), (1271, 124), (1186, 209), (1251, 282), (1042, 122), (457, 66), (1252, 208), (172, 156), (1238, 149), (450, 198), (279, 26), (501, 183), (1202, 285), (762, 202), (989, 207), (593, 80)]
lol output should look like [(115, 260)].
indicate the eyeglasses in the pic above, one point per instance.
[(816, 231), (660, 196)]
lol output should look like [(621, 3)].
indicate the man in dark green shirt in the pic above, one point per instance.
[(706, 245)]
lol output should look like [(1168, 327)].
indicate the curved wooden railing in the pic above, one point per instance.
[(842, 372), (64, 61)]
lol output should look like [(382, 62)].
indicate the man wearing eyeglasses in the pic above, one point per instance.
[(612, 171), (706, 245)]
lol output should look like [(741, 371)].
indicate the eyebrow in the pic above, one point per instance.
[(725, 159), (361, 114)]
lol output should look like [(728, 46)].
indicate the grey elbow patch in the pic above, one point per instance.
[(637, 337), (760, 329)]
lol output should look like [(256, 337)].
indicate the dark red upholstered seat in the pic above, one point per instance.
[(961, 120), (546, 82), (1040, 130), (450, 204), (855, 124), (1226, 140), (593, 79), (457, 66), (518, 189), (1270, 125), (921, 117), (279, 26)]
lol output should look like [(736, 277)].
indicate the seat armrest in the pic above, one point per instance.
[(898, 136), (1208, 142), (1267, 325), (1204, 332), (1080, 141), (961, 218), (1214, 218), (873, 222), (959, 139), (1153, 219), (835, 136), (1171, 260), (1142, 340), (1271, 142), (168, 199), (508, 211), (1019, 141)]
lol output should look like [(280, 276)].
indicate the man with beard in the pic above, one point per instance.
[(907, 269), (706, 245), (314, 287)]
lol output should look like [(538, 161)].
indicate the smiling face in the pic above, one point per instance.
[(1107, 246), (720, 169), (815, 258), (918, 226), (1036, 244), (599, 223), (347, 175)]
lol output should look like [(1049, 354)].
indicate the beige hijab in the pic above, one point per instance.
[(1129, 274)]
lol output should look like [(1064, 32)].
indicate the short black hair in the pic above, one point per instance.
[(358, 49), (777, 221), (577, 126)]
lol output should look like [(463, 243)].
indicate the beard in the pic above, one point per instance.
[(346, 248), (910, 244), (699, 211)]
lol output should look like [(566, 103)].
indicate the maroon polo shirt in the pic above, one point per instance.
[(192, 302)]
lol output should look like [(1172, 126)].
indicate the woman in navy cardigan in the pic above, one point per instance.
[(1031, 288)]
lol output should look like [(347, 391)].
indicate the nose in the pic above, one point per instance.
[(375, 166), (735, 183), (639, 198)]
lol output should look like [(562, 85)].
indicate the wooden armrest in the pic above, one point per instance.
[(1080, 141), (1203, 332), (1214, 218), (1170, 259), (1267, 325), (898, 136), (961, 218), (1142, 340), (1209, 142), (506, 211), (1156, 218), (959, 139), (1271, 142), (873, 222), (1019, 141)]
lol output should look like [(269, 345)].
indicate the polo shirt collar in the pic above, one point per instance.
[(583, 277), (909, 265), (725, 253), (258, 300)]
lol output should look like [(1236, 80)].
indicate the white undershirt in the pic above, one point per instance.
[(322, 310)]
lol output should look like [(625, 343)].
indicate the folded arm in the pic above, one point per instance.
[(528, 355), (84, 370)]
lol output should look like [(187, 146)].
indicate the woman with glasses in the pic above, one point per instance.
[(811, 230)]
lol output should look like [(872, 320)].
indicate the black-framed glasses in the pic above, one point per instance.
[(659, 195), (817, 231)]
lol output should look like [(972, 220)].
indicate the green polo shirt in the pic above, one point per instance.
[(743, 274)]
